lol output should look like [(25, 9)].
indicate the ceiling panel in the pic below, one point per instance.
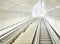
[(17, 5)]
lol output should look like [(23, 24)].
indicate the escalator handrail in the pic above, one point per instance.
[(54, 30), (11, 25), (36, 32), (13, 28)]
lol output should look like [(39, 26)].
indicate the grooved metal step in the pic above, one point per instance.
[(45, 41)]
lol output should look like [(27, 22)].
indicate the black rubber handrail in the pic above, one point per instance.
[(53, 30), (34, 35)]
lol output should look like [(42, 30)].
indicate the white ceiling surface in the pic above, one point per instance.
[(51, 3), (53, 6), (17, 5)]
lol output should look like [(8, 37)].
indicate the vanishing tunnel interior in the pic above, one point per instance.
[(25, 14)]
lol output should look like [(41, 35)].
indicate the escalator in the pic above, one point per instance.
[(32, 32), (44, 35)]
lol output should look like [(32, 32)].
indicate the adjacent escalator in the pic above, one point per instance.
[(44, 35)]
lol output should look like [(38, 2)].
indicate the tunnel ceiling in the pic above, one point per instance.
[(17, 5), (51, 3), (27, 5), (53, 8)]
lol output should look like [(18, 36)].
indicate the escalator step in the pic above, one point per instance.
[(45, 42), (44, 39)]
